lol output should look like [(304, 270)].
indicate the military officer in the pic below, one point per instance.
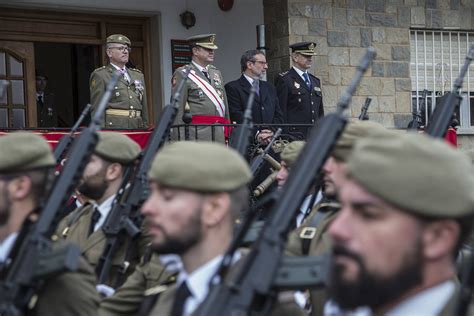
[(127, 107), (299, 92), (311, 237), (101, 180), (26, 171), (399, 230), (46, 111), (204, 94)]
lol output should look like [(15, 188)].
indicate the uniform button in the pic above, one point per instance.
[(312, 102), (130, 97), (128, 88), (263, 108), (299, 92), (312, 111), (131, 106), (312, 121), (110, 123), (299, 100), (116, 87)]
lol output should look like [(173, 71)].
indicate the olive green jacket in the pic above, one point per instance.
[(149, 278), (69, 294), (126, 96), (319, 244), (75, 228), (199, 103)]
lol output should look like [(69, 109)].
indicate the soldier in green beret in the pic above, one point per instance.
[(26, 174), (399, 229), (204, 95), (311, 238), (127, 107), (101, 180)]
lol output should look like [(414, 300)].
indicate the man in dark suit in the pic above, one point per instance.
[(266, 109), (46, 111), (299, 92)]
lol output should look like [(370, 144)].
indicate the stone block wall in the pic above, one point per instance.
[(343, 29)]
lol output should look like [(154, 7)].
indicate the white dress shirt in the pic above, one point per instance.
[(124, 71), (104, 210), (300, 73), (6, 246)]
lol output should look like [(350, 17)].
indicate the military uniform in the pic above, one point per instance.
[(112, 147), (196, 99), (127, 107), (300, 103), (46, 112), (65, 293)]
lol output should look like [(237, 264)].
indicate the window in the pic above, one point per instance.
[(436, 60)]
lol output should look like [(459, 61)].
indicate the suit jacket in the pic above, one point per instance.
[(265, 109), (126, 96), (75, 228), (199, 103), (299, 103), (47, 114)]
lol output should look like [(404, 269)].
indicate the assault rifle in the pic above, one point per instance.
[(63, 146), (416, 122), (363, 111), (257, 163), (252, 289), (33, 259), (242, 142), (124, 219), (443, 113)]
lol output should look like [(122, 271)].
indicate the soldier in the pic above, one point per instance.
[(399, 230), (46, 111), (299, 91), (127, 107), (26, 173), (100, 182), (197, 192), (311, 237), (203, 95)]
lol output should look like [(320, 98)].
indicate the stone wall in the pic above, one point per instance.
[(344, 28)]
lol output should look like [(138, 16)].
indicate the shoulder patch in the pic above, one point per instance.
[(211, 67), (283, 73), (99, 69)]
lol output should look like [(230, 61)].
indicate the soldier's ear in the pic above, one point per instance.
[(215, 208)]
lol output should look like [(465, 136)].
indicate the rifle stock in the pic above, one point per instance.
[(443, 113), (124, 218), (251, 290), (22, 277), (257, 163)]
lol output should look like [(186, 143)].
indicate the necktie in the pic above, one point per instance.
[(94, 219), (306, 79), (206, 74), (124, 75), (257, 89), (181, 296), (40, 100)]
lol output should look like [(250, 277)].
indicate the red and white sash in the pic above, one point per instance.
[(209, 91)]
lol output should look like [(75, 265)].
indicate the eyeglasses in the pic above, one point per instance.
[(260, 62), (122, 48)]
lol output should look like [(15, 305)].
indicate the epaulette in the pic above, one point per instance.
[(135, 69), (211, 67), (100, 68), (283, 73)]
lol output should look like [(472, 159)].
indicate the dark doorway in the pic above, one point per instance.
[(68, 68)]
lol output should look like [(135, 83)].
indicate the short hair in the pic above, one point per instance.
[(249, 56), (238, 201), (42, 180)]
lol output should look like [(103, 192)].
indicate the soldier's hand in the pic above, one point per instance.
[(265, 136)]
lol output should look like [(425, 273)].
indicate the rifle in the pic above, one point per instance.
[(34, 259), (246, 129), (63, 146), (124, 219), (363, 111), (257, 163), (416, 122), (252, 290), (443, 113)]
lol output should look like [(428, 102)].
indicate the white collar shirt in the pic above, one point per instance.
[(124, 71), (6, 246), (104, 210), (201, 68), (300, 73)]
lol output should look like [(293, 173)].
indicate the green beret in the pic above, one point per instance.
[(203, 40), (116, 147), (291, 152), (353, 132), (200, 166), (416, 173), (24, 151), (118, 38)]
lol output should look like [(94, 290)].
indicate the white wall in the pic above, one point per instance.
[(235, 29)]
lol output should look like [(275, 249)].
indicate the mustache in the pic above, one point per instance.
[(339, 250)]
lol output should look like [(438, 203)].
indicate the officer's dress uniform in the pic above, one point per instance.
[(76, 227), (202, 108), (127, 107), (47, 114), (69, 293), (300, 103)]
